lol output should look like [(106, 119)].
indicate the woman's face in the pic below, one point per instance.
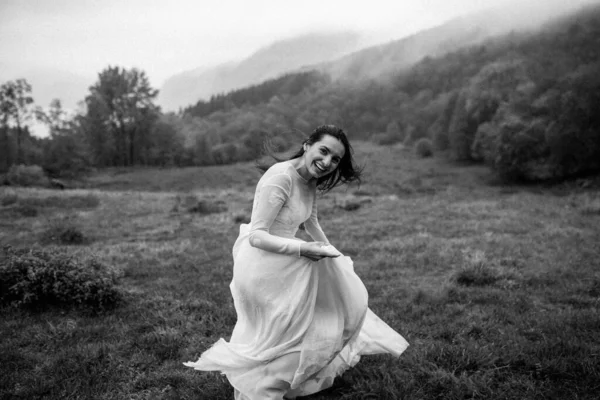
[(323, 157)]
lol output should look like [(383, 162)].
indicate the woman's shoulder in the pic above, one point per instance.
[(282, 167), (280, 172)]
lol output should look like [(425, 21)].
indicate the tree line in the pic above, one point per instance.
[(526, 104)]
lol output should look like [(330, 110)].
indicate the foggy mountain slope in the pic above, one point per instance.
[(269, 62), (187, 87), (380, 61), (450, 71), (342, 55)]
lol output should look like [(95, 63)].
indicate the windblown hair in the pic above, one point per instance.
[(347, 170)]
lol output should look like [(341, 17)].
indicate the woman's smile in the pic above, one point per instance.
[(321, 168)]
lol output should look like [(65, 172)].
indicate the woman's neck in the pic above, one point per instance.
[(300, 167)]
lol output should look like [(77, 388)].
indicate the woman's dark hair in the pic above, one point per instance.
[(347, 170)]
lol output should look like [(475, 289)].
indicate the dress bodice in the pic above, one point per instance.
[(282, 183)]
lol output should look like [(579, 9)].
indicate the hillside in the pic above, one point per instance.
[(340, 56), (378, 62), (269, 62)]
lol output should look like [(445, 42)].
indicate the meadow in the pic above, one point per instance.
[(496, 287)]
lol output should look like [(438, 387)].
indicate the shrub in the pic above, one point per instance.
[(424, 148), (64, 231), (521, 151), (36, 279), (26, 175), (484, 146)]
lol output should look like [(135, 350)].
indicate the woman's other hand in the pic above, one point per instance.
[(318, 250)]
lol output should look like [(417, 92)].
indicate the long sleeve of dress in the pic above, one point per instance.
[(312, 227), (271, 198)]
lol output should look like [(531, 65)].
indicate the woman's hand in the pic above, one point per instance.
[(318, 250)]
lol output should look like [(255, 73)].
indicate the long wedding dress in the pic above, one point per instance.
[(300, 323)]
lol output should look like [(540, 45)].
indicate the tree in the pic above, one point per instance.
[(55, 117), (64, 153), (168, 143), (202, 151), (16, 108), (120, 111)]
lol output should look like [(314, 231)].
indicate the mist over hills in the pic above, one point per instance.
[(268, 62), (377, 62), (346, 56)]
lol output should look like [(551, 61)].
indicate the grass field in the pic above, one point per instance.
[(497, 288)]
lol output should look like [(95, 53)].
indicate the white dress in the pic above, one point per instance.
[(300, 323)]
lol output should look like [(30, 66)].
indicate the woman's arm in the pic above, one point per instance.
[(271, 197)]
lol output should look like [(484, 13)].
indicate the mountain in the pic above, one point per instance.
[(379, 61), (269, 62), (346, 55)]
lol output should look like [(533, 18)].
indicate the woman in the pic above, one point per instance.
[(302, 311)]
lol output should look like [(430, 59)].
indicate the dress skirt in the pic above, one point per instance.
[(300, 324)]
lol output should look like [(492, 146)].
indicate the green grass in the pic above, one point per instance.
[(496, 288)]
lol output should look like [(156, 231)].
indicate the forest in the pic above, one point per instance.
[(525, 104)]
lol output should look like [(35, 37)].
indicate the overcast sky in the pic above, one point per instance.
[(167, 37)]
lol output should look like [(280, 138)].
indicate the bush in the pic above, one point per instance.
[(424, 148), (36, 279), (64, 231), (484, 146), (26, 175), (520, 152)]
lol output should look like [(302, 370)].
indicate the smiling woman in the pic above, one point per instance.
[(320, 158), (302, 312), (325, 156)]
